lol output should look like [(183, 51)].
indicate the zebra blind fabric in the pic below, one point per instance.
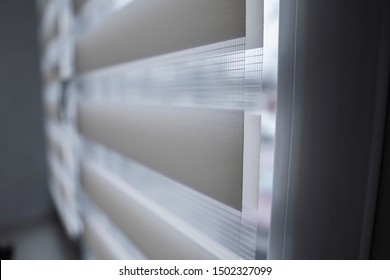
[(153, 125)]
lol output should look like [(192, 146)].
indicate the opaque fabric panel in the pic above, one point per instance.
[(201, 148), (156, 238), (100, 243), (51, 110), (146, 28)]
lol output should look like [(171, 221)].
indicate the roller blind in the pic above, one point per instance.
[(153, 125)]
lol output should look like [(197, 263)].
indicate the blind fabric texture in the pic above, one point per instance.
[(153, 122)]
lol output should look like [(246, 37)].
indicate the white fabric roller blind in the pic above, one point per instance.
[(155, 232), (154, 126), (148, 28), (201, 148)]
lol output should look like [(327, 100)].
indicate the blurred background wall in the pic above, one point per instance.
[(23, 193)]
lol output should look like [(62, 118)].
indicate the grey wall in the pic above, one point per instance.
[(23, 193), (332, 90)]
